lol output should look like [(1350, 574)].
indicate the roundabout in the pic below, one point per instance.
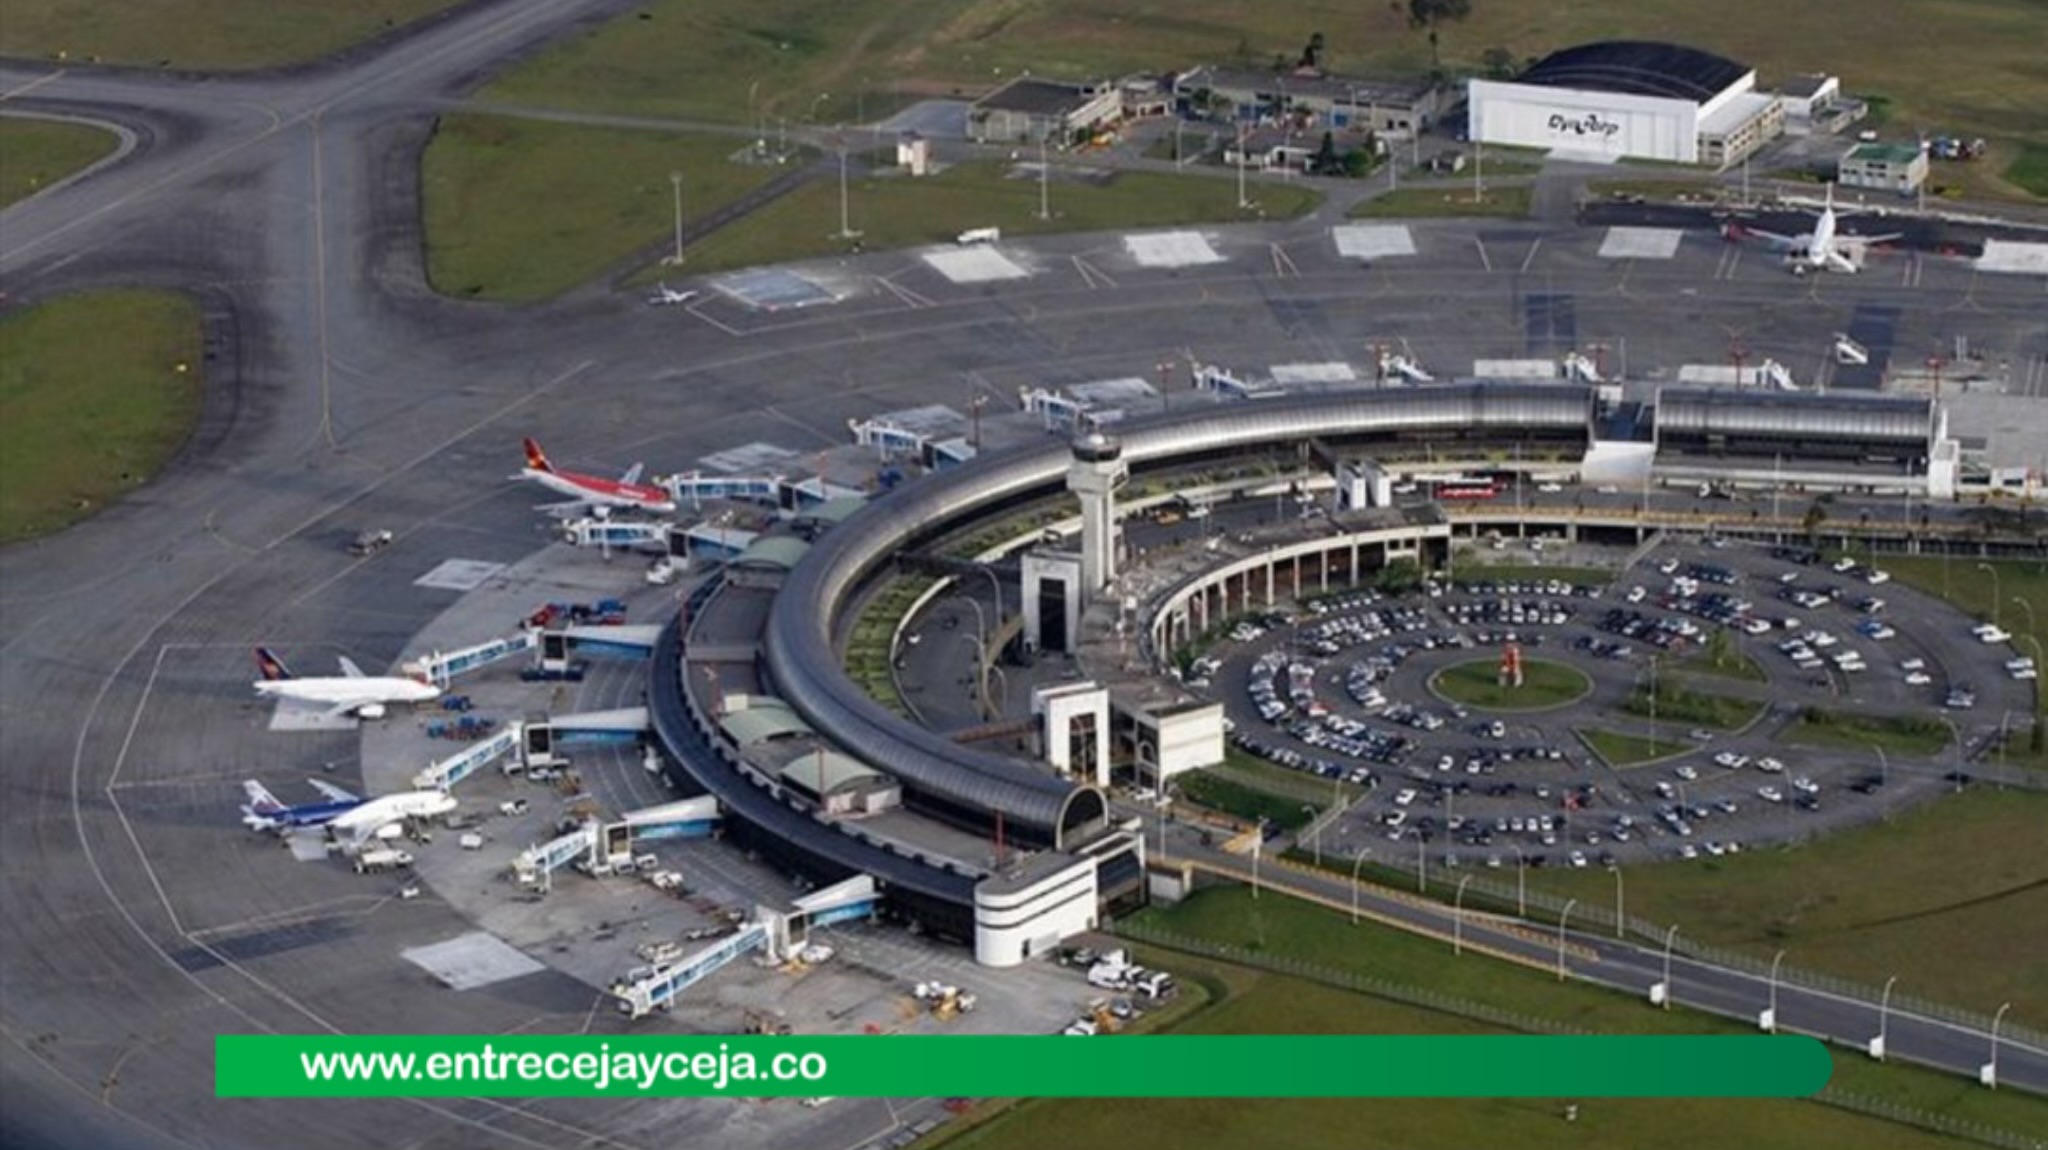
[(1490, 685)]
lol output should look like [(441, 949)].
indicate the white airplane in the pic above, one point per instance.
[(363, 823), (666, 296), (350, 693), (1822, 249)]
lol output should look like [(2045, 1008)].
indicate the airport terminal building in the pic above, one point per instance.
[(1630, 99)]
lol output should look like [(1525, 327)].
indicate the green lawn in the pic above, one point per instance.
[(2029, 170), (1433, 202), (1727, 663), (96, 392), (1914, 735), (1244, 767), (1279, 926), (1217, 792), (1677, 703), (1622, 750), (894, 211), (524, 209), (1545, 685), (36, 153), (202, 35), (1952, 898)]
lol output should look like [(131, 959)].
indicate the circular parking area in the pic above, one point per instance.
[(1511, 684)]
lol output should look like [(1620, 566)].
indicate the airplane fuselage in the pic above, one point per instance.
[(602, 492), (293, 818), (349, 692)]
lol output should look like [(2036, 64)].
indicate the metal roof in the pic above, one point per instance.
[(773, 551), (1637, 68), (1036, 97), (1838, 415), (823, 771), (763, 719), (798, 640)]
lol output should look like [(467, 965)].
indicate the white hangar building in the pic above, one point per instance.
[(1630, 99)]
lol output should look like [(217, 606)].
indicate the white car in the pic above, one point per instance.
[(1688, 851), (1731, 760), (1687, 772), (1770, 794), (1578, 858), (1770, 765), (1805, 786), (1404, 797), (1550, 488), (1918, 678)]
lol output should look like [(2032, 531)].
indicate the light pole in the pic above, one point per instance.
[(1884, 767), (1521, 882), (1458, 917), (1955, 733), (1770, 1019), (1256, 844), (1884, 1007), (1670, 936), (846, 231), (1315, 834), (1990, 1075), (676, 179), (1421, 863), (1997, 612), (1355, 864), (1044, 176), (1561, 916), (1619, 917)]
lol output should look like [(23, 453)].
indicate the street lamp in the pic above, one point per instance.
[(1884, 1007), (1996, 613), (676, 179), (1619, 917), (1355, 864), (1421, 863), (1315, 834), (1955, 733), (1521, 882), (1458, 917), (1670, 936), (1989, 1073), (1769, 1021), (1561, 916)]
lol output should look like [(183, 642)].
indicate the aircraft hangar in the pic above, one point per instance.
[(1633, 99)]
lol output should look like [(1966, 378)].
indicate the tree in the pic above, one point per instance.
[(1312, 55), (1399, 577), (1357, 163), (1499, 63), (1431, 15), (1325, 162)]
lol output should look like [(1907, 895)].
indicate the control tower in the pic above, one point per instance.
[(1094, 475)]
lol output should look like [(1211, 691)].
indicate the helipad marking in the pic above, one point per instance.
[(1640, 243), (459, 575), (1171, 249), (1373, 241), (468, 961), (774, 289), (975, 265), (2014, 258)]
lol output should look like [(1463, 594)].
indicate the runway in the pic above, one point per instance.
[(140, 920)]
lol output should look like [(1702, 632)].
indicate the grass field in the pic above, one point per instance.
[(202, 35), (1677, 703), (1205, 788), (893, 211), (36, 153), (1544, 685), (1728, 663), (1622, 750), (2029, 170), (523, 209), (1283, 926), (1952, 898), (1413, 202), (1914, 735), (1269, 1004), (1244, 767), (91, 402)]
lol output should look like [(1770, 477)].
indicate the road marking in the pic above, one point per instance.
[(1531, 257), (1481, 245), (32, 85), (1091, 275), (1283, 264)]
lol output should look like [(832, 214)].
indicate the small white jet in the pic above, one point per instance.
[(355, 827), (350, 693), (666, 296), (1824, 248)]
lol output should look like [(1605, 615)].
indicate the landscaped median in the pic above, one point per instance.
[(1620, 750), (1909, 735), (1479, 684), (37, 153)]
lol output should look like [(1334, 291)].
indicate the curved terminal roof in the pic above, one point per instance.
[(763, 719), (798, 641), (780, 551), (825, 771), (1748, 412), (1637, 68)]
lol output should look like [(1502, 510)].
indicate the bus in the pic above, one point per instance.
[(1468, 489)]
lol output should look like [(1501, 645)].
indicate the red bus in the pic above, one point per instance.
[(1468, 489)]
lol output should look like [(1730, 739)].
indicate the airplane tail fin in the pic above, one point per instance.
[(536, 458), (271, 666), (261, 801)]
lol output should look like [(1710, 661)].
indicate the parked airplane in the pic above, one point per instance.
[(264, 813), (360, 825), (590, 491), (666, 296), (1822, 249), (351, 692)]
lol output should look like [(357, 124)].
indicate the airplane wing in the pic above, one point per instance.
[(1869, 241), (333, 792), (261, 800), (349, 668), (632, 474), (1775, 239)]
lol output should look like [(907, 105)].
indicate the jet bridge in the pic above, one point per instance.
[(659, 990), (442, 667), (688, 818), (535, 866), (444, 774)]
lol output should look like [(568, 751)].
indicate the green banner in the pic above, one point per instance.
[(1163, 1066)]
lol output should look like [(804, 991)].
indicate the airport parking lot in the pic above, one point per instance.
[(1341, 690)]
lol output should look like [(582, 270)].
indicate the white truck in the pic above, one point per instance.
[(973, 236), (382, 859)]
